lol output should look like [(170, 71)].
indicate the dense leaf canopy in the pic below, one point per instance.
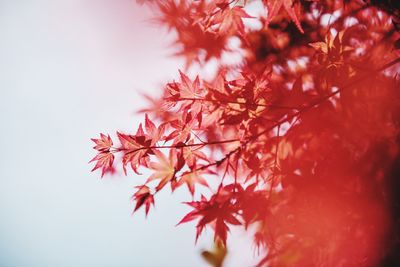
[(298, 138)]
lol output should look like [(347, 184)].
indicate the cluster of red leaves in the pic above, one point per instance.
[(300, 138)]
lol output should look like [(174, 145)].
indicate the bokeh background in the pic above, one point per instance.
[(70, 69)]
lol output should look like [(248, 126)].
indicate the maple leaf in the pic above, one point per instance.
[(138, 147), (191, 154), (135, 150), (274, 6), (152, 132), (333, 49), (158, 107), (164, 169), (183, 129), (104, 161), (150, 126), (127, 141), (191, 178), (103, 144), (230, 20), (186, 92), (217, 212), (250, 199), (187, 88), (187, 18), (143, 197)]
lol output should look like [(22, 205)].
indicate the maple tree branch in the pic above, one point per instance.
[(198, 137), (181, 145), (234, 102), (220, 161), (299, 112)]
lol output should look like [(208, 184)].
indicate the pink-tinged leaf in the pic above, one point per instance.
[(153, 133), (103, 144), (163, 169), (104, 161), (127, 141), (134, 153), (230, 20), (183, 130), (191, 178), (192, 154), (187, 88), (150, 127)]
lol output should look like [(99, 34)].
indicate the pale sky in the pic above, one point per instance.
[(70, 69)]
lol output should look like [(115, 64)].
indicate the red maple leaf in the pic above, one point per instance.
[(143, 197), (192, 154), (133, 151), (274, 6), (191, 178), (136, 149), (183, 129), (216, 212)]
